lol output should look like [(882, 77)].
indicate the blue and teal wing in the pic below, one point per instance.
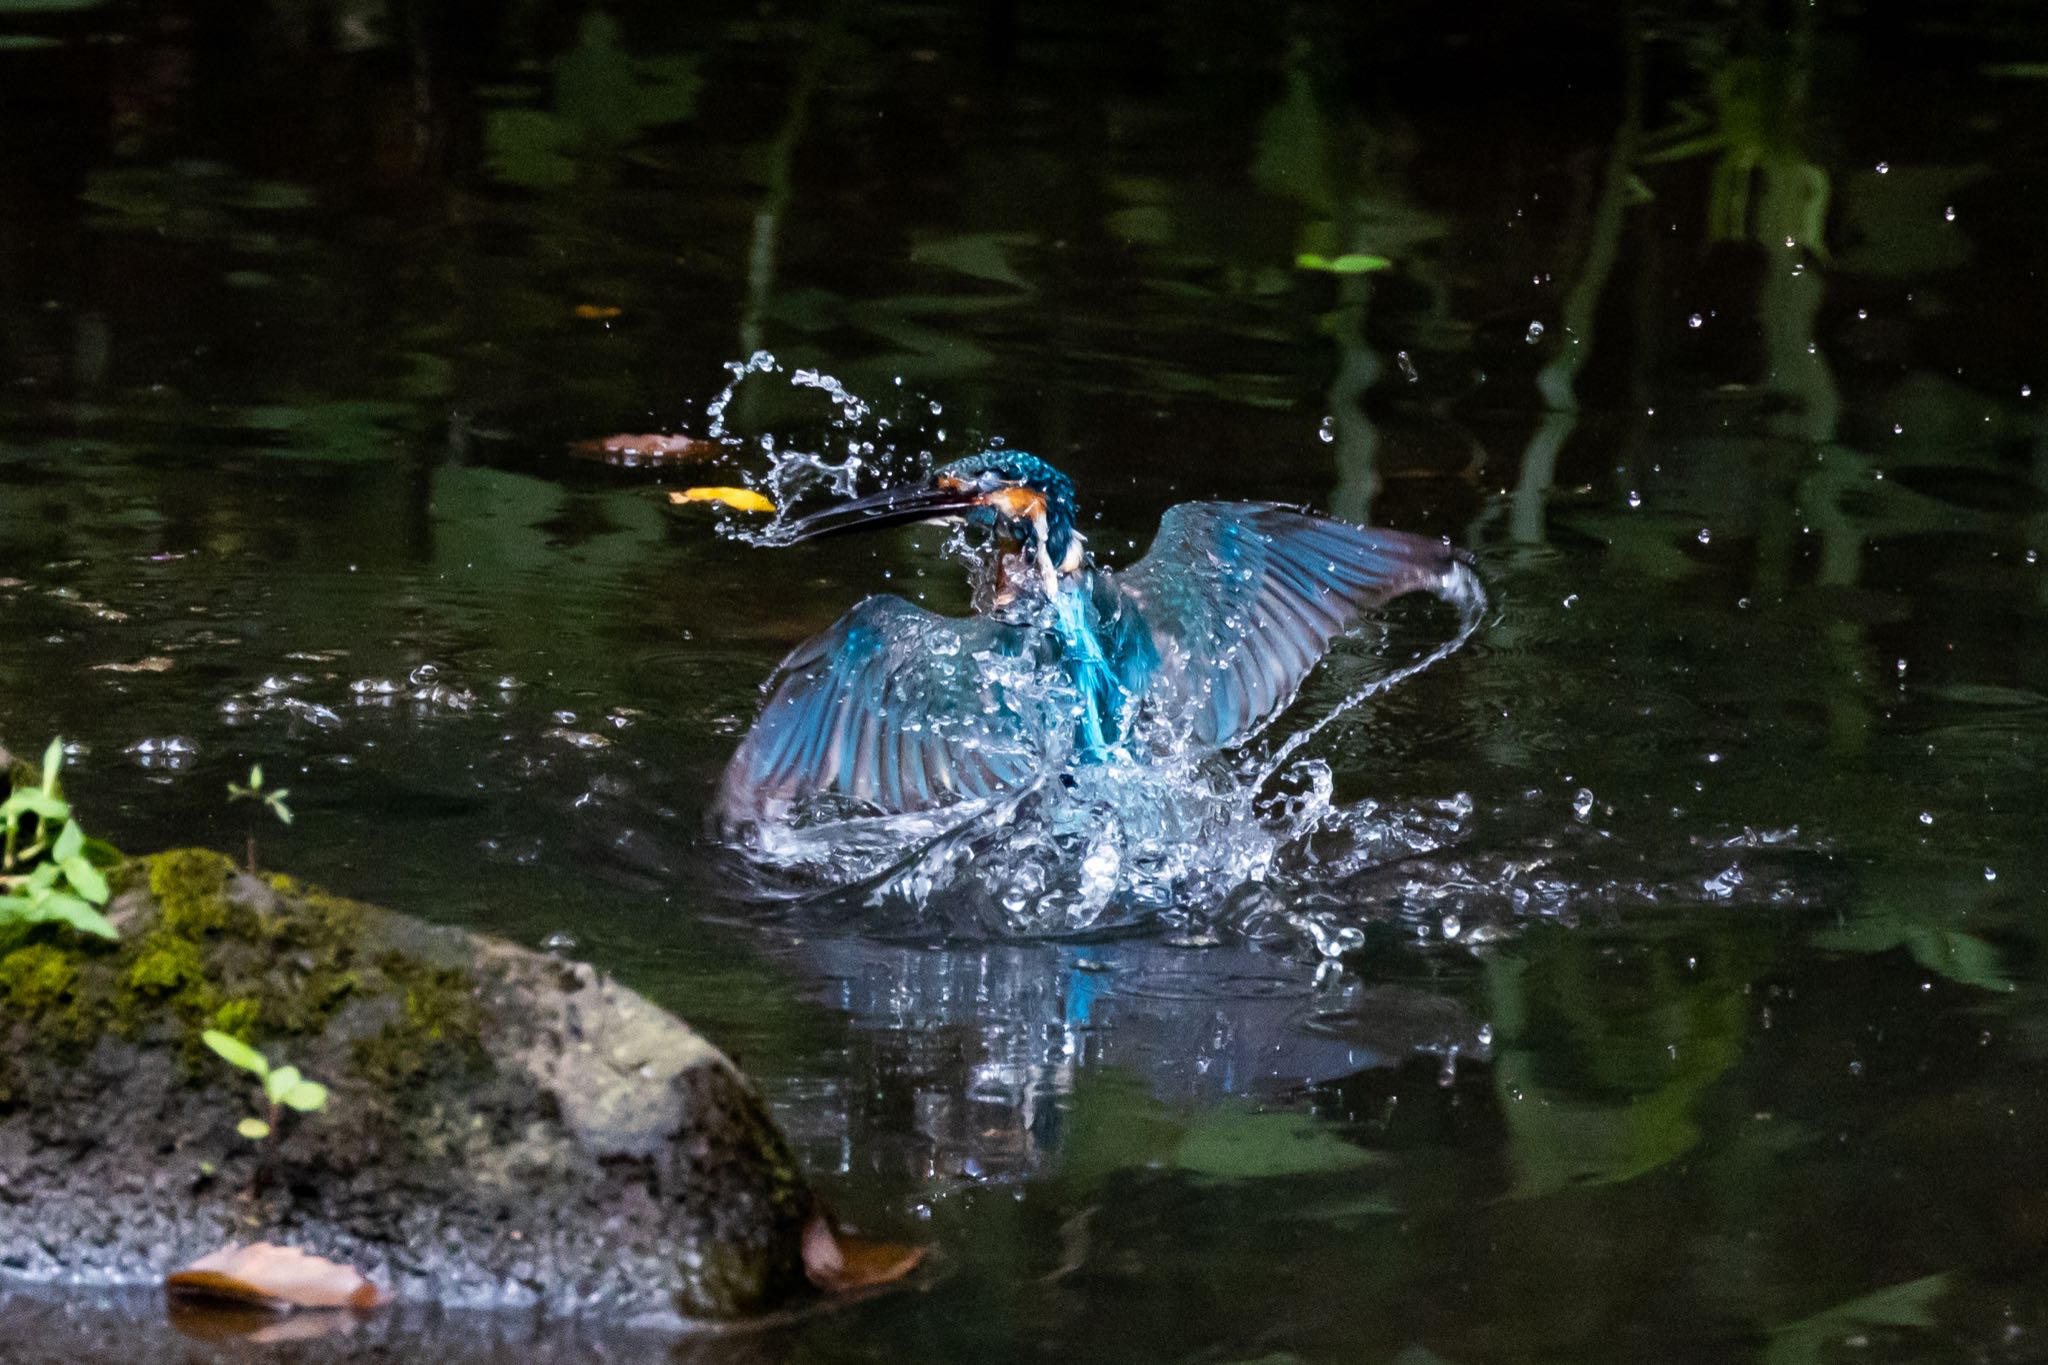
[(1243, 599), (892, 709)]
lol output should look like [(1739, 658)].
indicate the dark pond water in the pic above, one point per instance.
[(1695, 1008)]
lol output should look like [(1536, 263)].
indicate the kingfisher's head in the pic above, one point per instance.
[(1025, 502)]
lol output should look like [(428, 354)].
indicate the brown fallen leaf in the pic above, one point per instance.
[(596, 312), (740, 499), (839, 1264), (647, 448), (155, 663), (277, 1278)]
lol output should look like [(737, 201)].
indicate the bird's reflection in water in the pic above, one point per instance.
[(963, 1057)]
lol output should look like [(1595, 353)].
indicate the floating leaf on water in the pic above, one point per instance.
[(596, 312), (648, 448), (1350, 263), (740, 499), (274, 1277), (840, 1264)]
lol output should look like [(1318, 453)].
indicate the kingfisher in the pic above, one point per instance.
[(895, 709)]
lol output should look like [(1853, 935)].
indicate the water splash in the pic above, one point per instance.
[(1160, 833), (1248, 846), (857, 446)]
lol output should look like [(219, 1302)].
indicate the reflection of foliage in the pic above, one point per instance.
[(1656, 1060), (1759, 112), (1807, 1341), (1118, 1125), (1918, 914), (334, 429), (602, 98), (192, 201), (981, 255), (1323, 163)]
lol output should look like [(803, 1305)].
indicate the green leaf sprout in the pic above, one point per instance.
[(47, 872), (284, 1087)]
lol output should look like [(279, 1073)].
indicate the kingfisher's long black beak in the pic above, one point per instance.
[(890, 507)]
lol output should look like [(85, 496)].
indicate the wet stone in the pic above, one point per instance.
[(505, 1129)]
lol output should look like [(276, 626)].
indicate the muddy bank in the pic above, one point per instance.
[(504, 1129)]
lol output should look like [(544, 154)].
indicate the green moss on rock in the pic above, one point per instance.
[(204, 946), (438, 1017), (190, 887), (37, 979)]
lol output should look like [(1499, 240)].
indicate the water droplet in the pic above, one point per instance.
[(1790, 243), (1862, 314), (1635, 499), (2026, 390), (1407, 367), (1695, 321), (559, 943), (1534, 334), (1326, 432), (1926, 817), (1582, 804), (1812, 348), (1990, 874), (1706, 535), (1570, 600), (1884, 168), (1485, 1036), (1898, 428), (1855, 1068), (1949, 213)]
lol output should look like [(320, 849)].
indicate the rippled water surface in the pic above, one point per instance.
[(1658, 976)]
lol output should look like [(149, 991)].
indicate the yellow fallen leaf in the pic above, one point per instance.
[(740, 499), (596, 311)]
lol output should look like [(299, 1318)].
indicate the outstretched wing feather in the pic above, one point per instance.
[(1243, 599), (890, 706)]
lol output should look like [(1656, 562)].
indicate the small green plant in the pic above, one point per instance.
[(51, 878), (283, 1087), (255, 792)]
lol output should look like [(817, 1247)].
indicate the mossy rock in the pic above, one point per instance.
[(504, 1128)]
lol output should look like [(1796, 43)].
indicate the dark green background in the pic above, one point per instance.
[(290, 359)]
